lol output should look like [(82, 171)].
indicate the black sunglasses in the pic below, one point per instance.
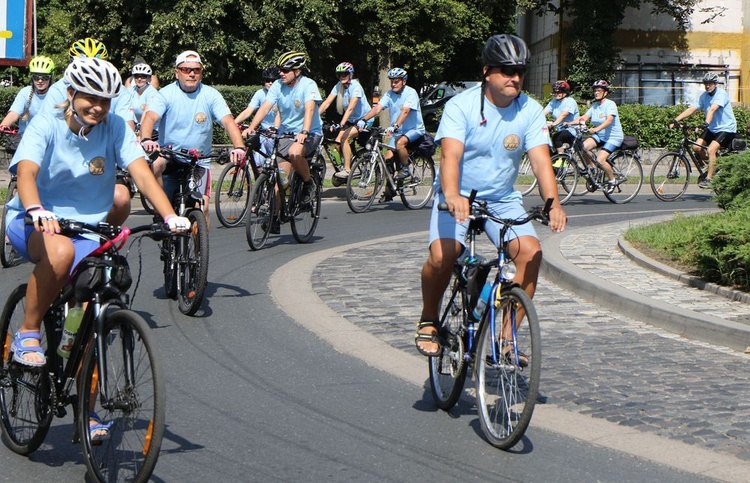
[(285, 71), (41, 77), (509, 71), (269, 79), (140, 76)]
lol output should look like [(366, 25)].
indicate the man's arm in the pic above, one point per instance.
[(451, 152), (259, 115), (149, 119)]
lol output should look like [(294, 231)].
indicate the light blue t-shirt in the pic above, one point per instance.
[(408, 97), (56, 95), (256, 101), (354, 90), (492, 150), (723, 120), (598, 113), (21, 105), (187, 119), (139, 102), (122, 104), (291, 103), (557, 107), (76, 177)]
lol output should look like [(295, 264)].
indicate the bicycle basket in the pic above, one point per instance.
[(629, 143), (427, 146), (739, 144), (88, 277)]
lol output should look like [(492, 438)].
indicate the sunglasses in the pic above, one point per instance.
[(190, 70), (269, 80), (41, 78), (285, 71), (140, 76), (508, 71)]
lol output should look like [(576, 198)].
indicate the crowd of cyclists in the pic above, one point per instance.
[(91, 115)]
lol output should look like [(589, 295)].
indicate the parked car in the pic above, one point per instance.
[(433, 101)]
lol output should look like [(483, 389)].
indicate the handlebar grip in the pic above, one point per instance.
[(443, 206)]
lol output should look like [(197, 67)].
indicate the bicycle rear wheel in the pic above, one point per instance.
[(8, 256), (508, 370), (260, 213), (304, 216), (25, 403), (566, 175), (670, 176), (628, 175), (448, 369), (192, 265), (365, 182), (416, 191), (525, 181), (232, 195), (135, 401)]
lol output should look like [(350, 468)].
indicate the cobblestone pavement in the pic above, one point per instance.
[(595, 362)]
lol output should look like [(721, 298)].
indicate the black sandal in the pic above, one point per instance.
[(423, 337)]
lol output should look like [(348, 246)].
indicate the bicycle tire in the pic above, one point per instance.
[(146, 204), (416, 190), (233, 194), (8, 255), (448, 369), (25, 403), (304, 217), (506, 389), (136, 405), (566, 175), (192, 266), (365, 181), (260, 213), (525, 181), (170, 254), (629, 176), (584, 186), (670, 176)]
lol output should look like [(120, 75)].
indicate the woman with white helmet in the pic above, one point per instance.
[(66, 165), (143, 90)]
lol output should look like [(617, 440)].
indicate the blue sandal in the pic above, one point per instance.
[(20, 350), (102, 429)]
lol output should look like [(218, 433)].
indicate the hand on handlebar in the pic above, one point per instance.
[(237, 155), (248, 133), (177, 223), (458, 206), (360, 124), (43, 220), (150, 146)]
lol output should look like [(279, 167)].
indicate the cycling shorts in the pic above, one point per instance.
[(202, 184), (722, 137), (310, 145), (443, 225), (18, 234), (610, 147)]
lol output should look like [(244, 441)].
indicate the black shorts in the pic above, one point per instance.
[(723, 138), (562, 137), (310, 145)]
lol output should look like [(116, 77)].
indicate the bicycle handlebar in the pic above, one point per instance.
[(479, 210), (193, 155)]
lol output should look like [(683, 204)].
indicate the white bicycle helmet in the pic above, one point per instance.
[(141, 69), (93, 76), (711, 77)]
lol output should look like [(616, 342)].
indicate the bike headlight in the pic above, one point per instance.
[(508, 271)]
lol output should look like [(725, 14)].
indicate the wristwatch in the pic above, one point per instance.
[(305, 132)]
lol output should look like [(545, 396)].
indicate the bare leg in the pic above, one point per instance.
[(436, 274)]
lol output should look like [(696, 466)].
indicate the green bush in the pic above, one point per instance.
[(732, 181)]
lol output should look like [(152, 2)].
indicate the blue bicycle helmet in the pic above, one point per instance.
[(397, 73)]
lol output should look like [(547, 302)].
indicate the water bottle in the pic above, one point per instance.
[(482, 302), (336, 157), (70, 329)]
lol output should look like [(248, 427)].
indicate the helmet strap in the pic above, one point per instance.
[(76, 118)]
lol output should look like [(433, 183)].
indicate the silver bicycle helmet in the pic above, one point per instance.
[(505, 50), (93, 76), (711, 77)]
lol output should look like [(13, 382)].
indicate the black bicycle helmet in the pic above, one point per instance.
[(505, 50), (270, 73)]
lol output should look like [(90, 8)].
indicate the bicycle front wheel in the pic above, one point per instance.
[(169, 254), (132, 406), (508, 368), (566, 174), (25, 403), (416, 191), (365, 181), (304, 215), (525, 181), (628, 177), (448, 369), (8, 256), (260, 213), (192, 264), (670, 176), (232, 195)]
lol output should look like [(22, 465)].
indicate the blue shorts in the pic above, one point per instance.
[(608, 146), (18, 233), (443, 225)]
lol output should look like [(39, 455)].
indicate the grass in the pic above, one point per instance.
[(669, 241)]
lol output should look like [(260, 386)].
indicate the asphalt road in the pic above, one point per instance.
[(254, 396)]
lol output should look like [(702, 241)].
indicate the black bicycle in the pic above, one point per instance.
[(276, 200), (185, 255), (232, 193), (503, 345), (9, 142), (113, 365)]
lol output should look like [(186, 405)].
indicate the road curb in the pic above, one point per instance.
[(686, 323)]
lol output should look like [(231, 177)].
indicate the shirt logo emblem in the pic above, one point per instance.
[(511, 142), (96, 166), (200, 118)]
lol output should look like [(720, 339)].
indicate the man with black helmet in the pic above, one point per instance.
[(721, 125), (483, 133)]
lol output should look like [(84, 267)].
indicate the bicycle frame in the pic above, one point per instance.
[(376, 139)]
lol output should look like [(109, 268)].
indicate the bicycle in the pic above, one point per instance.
[(273, 201), (504, 346), (9, 142), (232, 193), (185, 255), (370, 172), (113, 364), (565, 171), (625, 161), (328, 152), (670, 174)]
